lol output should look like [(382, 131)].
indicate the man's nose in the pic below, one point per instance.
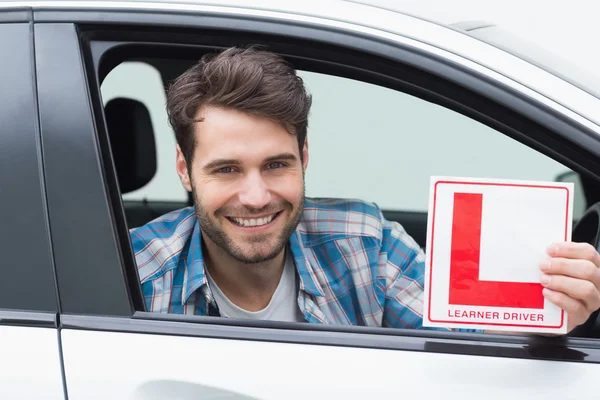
[(255, 192)]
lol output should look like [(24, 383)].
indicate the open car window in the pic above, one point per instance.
[(376, 134)]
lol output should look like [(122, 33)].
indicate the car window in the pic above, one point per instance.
[(365, 141)]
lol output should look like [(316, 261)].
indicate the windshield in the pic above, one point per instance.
[(580, 76), (578, 73)]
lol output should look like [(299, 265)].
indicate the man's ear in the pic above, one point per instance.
[(305, 154), (182, 170)]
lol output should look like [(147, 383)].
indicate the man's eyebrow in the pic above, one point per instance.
[(220, 163), (282, 157)]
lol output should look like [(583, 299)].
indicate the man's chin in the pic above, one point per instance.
[(255, 257)]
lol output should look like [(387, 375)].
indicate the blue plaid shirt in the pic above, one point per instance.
[(354, 266)]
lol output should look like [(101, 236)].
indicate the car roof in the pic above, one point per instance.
[(272, 5), (451, 42), (326, 9)]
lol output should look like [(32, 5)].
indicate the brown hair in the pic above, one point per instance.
[(250, 80)]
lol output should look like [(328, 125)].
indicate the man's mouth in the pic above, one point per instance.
[(253, 222)]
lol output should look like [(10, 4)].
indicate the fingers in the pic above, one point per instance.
[(575, 309), (580, 269), (571, 279), (580, 290), (571, 250)]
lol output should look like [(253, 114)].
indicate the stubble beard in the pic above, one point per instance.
[(210, 227)]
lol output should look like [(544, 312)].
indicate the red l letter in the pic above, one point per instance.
[(465, 286)]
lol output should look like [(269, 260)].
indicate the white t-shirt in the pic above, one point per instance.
[(282, 307)]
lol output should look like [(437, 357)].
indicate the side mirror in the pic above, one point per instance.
[(579, 201)]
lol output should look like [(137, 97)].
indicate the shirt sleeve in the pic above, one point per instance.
[(404, 265)]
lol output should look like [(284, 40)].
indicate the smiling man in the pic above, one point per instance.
[(254, 247), (247, 181)]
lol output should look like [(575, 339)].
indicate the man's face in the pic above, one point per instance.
[(247, 181)]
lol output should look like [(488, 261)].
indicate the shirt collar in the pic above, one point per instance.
[(194, 275)]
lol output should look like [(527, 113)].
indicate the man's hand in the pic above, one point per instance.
[(571, 280)]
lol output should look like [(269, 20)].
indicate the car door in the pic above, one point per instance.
[(30, 360), (113, 348)]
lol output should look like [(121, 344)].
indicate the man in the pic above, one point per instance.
[(254, 247)]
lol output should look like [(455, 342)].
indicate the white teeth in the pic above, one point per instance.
[(254, 221)]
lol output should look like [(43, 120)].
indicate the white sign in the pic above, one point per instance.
[(485, 241)]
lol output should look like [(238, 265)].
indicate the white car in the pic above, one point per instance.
[(397, 99)]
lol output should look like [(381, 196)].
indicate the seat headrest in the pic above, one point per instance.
[(132, 142)]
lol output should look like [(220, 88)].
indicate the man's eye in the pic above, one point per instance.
[(275, 165), (225, 170)]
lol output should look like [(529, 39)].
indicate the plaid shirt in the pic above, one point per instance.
[(354, 267)]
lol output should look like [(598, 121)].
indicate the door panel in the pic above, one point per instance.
[(30, 366), (110, 365)]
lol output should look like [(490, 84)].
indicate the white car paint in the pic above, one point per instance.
[(160, 367), (31, 366)]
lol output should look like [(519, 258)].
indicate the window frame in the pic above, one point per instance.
[(553, 133)]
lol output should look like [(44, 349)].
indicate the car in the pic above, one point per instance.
[(87, 154)]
